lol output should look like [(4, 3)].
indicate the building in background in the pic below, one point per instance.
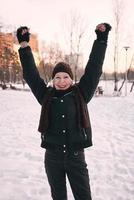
[(10, 70), (9, 41)]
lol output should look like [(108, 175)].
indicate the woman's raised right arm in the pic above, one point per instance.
[(30, 71)]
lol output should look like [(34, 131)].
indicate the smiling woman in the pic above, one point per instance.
[(64, 121)]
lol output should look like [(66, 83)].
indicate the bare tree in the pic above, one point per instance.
[(131, 72), (51, 54), (75, 28), (45, 70), (118, 8), (128, 73)]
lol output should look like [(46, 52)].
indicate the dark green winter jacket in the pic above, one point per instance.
[(63, 128)]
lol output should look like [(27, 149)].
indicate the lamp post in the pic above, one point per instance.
[(126, 48)]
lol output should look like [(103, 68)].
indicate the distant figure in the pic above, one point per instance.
[(99, 91), (4, 86), (64, 122)]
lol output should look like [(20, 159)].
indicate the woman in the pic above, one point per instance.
[(64, 122)]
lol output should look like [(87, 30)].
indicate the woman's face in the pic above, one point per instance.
[(62, 81)]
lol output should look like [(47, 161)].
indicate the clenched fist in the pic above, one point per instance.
[(102, 31), (23, 34)]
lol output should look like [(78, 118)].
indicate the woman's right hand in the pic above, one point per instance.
[(23, 34)]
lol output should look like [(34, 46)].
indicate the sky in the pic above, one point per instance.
[(46, 18)]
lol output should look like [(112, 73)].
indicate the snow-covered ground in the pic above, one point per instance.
[(110, 161)]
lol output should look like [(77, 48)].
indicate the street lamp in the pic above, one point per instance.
[(126, 48)]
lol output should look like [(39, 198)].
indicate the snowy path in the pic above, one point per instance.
[(110, 160)]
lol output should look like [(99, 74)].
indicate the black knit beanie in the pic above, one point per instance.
[(62, 67)]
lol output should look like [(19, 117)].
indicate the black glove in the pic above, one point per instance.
[(23, 34), (102, 31)]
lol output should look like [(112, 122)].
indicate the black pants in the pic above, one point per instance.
[(58, 164)]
